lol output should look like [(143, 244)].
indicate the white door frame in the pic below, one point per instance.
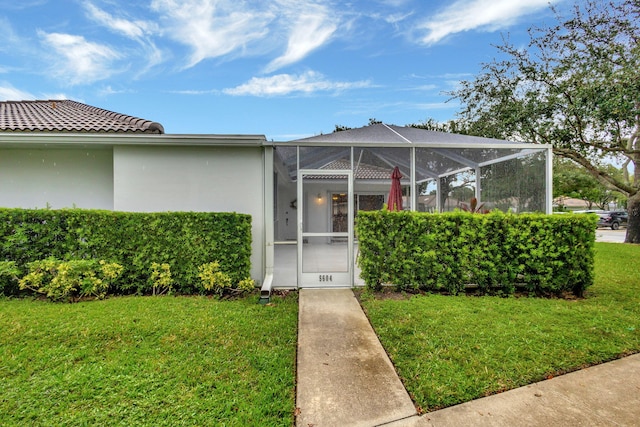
[(332, 278)]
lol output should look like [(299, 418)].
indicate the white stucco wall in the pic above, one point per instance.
[(56, 177), (200, 179), (285, 227), (316, 211)]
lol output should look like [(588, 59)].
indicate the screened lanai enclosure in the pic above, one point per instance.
[(320, 183)]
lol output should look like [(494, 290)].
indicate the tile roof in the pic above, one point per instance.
[(69, 116), (363, 171)]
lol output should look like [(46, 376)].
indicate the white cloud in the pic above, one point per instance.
[(240, 28), (396, 18), (10, 40), (212, 28), (393, 3), (10, 93), (77, 60), (430, 106), (132, 29), (312, 27), (21, 5), (368, 107), (466, 15), (195, 92), (425, 88), (285, 84), (138, 30), (109, 90), (56, 96)]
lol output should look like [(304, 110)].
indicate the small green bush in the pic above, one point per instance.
[(9, 276), (246, 285), (68, 280), (219, 283), (160, 278)]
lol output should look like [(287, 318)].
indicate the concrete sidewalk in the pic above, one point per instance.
[(346, 379), (602, 395)]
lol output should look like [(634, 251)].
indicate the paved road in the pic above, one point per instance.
[(609, 235)]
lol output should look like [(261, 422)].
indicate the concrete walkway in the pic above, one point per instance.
[(344, 375), (346, 379)]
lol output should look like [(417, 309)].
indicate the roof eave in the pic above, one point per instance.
[(27, 139)]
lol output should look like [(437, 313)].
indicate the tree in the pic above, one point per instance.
[(341, 128), (455, 187), (572, 180), (451, 126), (577, 87)]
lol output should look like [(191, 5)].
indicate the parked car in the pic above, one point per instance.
[(592, 211), (613, 219)]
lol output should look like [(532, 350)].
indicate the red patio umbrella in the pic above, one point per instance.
[(395, 194)]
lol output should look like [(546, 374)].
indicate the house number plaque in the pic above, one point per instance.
[(325, 278)]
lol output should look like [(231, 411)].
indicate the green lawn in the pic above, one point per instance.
[(449, 350), (148, 361), (198, 361)]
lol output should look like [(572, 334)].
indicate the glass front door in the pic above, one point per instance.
[(325, 228)]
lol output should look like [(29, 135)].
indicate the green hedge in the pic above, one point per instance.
[(496, 252), (184, 240)]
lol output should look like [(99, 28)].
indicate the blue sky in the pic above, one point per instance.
[(282, 68)]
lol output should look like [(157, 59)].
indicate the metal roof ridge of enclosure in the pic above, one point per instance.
[(440, 157), (390, 134)]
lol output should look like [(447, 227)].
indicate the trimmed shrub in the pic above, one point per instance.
[(212, 280), (183, 240), (68, 280), (450, 252)]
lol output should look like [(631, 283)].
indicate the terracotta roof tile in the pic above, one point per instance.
[(69, 116), (363, 171)]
